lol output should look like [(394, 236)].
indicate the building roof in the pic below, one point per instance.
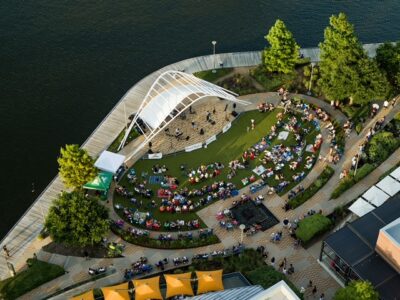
[(279, 291), (242, 293), (355, 244)]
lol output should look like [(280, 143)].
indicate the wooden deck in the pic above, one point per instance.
[(20, 239)]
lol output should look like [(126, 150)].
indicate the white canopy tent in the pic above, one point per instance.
[(170, 95), (375, 196), (109, 161), (389, 185), (396, 174), (361, 207)]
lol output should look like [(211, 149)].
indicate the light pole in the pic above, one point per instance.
[(242, 227), (312, 71), (214, 43)]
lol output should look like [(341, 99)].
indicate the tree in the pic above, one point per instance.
[(388, 59), (283, 54), (381, 146), (76, 166), (346, 70), (371, 84), (357, 290), (77, 220)]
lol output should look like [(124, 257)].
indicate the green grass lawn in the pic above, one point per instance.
[(228, 147), (39, 273), (212, 77)]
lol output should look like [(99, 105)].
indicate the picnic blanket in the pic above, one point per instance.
[(155, 179)]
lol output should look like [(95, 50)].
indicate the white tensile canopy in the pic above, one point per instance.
[(361, 207), (375, 196), (109, 161), (389, 185), (396, 174), (170, 95)]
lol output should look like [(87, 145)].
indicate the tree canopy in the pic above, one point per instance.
[(357, 290), (76, 166), (346, 70), (77, 220), (283, 53), (388, 59)]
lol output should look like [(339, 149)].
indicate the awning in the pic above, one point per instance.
[(109, 161), (375, 196), (396, 174), (102, 182), (361, 207), (147, 288), (116, 292), (179, 284), (389, 185), (85, 296), (209, 281)]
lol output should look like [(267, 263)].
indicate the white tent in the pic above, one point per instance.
[(375, 196), (109, 161), (389, 185), (169, 96), (396, 174), (361, 207)]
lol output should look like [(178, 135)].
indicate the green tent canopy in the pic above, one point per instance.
[(101, 182)]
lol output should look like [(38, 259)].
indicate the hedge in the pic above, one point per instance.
[(148, 242), (313, 188), (312, 226)]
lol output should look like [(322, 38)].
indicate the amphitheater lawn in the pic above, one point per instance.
[(228, 146)]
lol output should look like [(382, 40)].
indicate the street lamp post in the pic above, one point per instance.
[(312, 71), (242, 227), (214, 43)]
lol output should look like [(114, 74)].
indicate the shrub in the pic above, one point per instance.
[(343, 185), (381, 146), (359, 128), (313, 188), (312, 226), (363, 171)]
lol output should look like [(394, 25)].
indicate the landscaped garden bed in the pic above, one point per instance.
[(183, 243), (312, 189), (239, 84), (229, 147), (38, 273), (312, 226), (133, 134), (378, 149)]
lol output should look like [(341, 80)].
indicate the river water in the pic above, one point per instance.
[(64, 64)]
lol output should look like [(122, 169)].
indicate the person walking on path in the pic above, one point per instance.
[(322, 297), (6, 251), (314, 290), (310, 283), (273, 261)]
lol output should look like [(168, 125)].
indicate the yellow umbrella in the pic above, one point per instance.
[(179, 284), (147, 288), (85, 296), (209, 281), (116, 292)]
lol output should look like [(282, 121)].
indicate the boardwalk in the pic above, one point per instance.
[(19, 239)]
